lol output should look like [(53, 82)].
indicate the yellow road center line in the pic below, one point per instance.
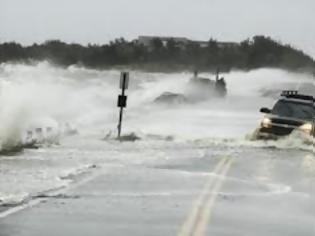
[(202, 224), (188, 226)]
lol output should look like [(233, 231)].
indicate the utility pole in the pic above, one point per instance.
[(122, 99)]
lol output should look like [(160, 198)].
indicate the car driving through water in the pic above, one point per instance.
[(293, 112)]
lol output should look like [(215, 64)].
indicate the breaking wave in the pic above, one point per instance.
[(45, 105), (42, 96)]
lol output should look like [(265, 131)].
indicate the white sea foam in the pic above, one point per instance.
[(83, 102)]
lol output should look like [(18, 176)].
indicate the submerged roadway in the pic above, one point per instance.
[(194, 191)]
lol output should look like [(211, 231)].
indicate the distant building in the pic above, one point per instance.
[(227, 44), (202, 44), (147, 41)]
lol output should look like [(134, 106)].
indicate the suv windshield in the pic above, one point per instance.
[(294, 109)]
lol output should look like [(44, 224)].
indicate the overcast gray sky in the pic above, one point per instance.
[(98, 21)]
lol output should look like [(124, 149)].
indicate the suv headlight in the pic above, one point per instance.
[(307, 128), (266, 123)]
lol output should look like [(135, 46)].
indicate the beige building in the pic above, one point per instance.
[(147, 41)]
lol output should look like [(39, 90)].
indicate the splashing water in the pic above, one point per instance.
[(53, 101)]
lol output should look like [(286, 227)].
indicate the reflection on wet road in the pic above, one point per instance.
[(192, 190)]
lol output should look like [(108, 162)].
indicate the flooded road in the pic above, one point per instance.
[(193, 172), (179, 189)]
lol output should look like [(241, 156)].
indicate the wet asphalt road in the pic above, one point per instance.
[(248, 191)]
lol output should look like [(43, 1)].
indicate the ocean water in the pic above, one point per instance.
[(73, 112)]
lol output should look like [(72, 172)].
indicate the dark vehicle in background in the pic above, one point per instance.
[(198, 89), (204, 88), (292, 112)]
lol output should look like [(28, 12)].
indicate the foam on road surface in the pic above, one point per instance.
[(251, 192)]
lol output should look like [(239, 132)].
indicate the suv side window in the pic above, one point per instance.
[(294, 109)]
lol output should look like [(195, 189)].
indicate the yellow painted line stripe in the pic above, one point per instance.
[(207, 210), (188, 226)]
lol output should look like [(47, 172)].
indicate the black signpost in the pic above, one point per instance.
[(122, 99)]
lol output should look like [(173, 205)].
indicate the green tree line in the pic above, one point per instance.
[(258, 52)]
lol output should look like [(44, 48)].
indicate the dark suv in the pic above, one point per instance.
[(292, 112)]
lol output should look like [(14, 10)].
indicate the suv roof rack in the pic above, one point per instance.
[(296, 95)]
